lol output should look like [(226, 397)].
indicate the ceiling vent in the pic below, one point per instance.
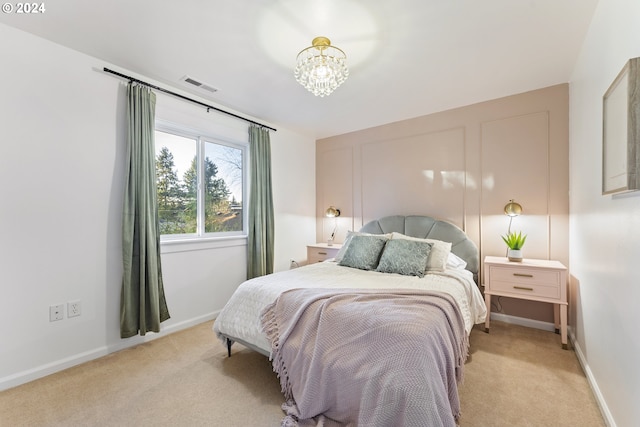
[(190, 81)]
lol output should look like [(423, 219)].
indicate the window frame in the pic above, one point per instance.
[(201, 138)]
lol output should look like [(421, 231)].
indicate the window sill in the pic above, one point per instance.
[(201, 243)]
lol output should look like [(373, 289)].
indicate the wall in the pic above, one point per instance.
[(463, 166), (61, 166), (605, 230)]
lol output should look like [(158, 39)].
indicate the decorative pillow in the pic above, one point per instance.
[(407, 257), (439, 252), (347, 240), (454, 262), (363, 252)]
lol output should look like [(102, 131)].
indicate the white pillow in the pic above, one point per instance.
[(454, 262), (347, 240), (439, 254)]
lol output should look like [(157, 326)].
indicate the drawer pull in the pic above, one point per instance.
[(522, 288), (522, 275), (322, 253)]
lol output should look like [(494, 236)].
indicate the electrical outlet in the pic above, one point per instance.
[(56, 312), (293, 264), (73, 308)]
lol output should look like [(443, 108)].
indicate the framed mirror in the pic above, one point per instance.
[(621, 131)]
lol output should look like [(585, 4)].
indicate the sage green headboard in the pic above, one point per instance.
[(427, 227)]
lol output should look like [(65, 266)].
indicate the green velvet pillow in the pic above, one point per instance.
[(363, 252), (347, 240), (407, 257), (439, 252)]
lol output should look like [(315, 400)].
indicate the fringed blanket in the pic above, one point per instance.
[(356, 357)]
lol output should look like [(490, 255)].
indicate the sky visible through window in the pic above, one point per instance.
[(228, 159)]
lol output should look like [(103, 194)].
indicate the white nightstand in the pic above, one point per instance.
[(531, 279), (319, 252)]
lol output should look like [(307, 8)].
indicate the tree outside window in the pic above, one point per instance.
[(199, 185)]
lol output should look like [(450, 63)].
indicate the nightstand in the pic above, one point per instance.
[(319, 252), (531, 279)]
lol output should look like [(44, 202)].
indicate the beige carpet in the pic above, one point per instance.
[(515, 376)]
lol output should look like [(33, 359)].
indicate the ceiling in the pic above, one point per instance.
[(406, 58)]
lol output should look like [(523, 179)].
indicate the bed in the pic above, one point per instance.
[(403, 309)]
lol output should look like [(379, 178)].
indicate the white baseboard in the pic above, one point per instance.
[(604, 409), (77, 359), (523, 321), (41, 371), (176, 327)]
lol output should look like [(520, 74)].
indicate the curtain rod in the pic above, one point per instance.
[(209, 107)]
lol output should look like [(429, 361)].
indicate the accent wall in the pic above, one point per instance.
[(463, 166)]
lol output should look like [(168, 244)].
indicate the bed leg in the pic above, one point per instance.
[(229, 343)]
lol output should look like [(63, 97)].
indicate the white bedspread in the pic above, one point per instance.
[(240, 318)]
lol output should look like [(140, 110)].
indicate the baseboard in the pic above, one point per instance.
[(604, 409), (78, 359), (523, 321), (50, 368), (176, 327)]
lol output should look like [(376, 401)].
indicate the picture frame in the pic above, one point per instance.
[(621, 131)]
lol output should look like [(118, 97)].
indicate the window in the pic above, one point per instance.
[(200, 184)]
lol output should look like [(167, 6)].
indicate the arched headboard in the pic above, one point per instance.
[(425, 227)]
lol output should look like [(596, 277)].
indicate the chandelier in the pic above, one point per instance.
[(321, 67)]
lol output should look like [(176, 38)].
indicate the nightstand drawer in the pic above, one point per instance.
[(321, 252), (529, 289), (525, 276), (317, 257)]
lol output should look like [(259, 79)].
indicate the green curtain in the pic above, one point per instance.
[(142, 302), (261, 228)]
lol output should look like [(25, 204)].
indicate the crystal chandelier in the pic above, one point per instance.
[(321, 67)]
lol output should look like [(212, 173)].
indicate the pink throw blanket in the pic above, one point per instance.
[(367, 357)]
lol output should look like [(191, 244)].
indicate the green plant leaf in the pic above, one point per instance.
[(514, 240)]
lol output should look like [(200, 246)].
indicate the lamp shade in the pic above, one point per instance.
[(512, 209), (332, 212)]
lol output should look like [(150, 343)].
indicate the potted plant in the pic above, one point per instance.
[(514, 241)]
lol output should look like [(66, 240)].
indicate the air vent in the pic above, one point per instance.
[(197, 83)]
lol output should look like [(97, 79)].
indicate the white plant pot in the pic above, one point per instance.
[(514, 255)]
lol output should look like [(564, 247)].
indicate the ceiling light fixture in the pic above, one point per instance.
[(321, 68)]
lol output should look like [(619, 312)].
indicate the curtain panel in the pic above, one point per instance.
[(142, 305), (261, 221)]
